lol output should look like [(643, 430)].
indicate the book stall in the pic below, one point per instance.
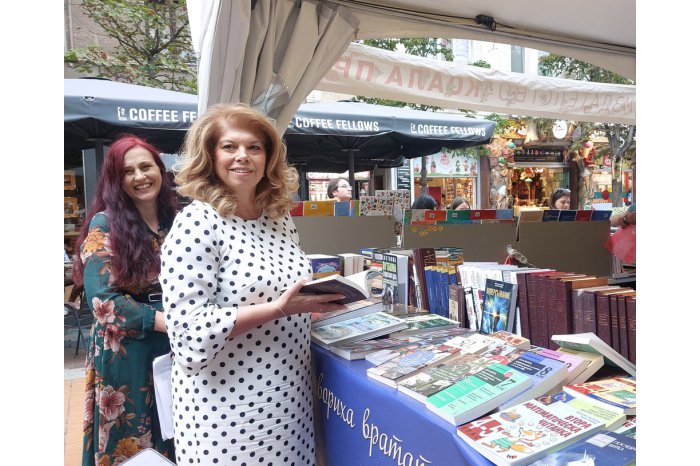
[(500, 363)]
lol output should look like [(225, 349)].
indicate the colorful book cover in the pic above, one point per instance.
[(478, 394), (544, 373), (505, 214), (359, 328), (528, 431), (618, 393), (611, 419), (423, 322), (342, 209), (567, 215), (601, 215), (604, 448), (583, 215), (483, 214), (574, 364), (409, 362), (498, 306), (512, 339), (324, 265), (318, 208), (551, 215), (455, 216), (359, 349), (435, 215), (297, 209), (629, 428)]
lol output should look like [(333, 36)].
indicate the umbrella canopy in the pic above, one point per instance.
[(325, 136), (96, 111)]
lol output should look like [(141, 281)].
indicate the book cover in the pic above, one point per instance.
[(342, 209), (435, 215), (527, 432), (601, 215), (360, 328), (394, 279), (512, 339), (423, 323), (337, 284), (352, 310), (551, 215), (611, 419), (457, 305), (588, 314), (483, 214), (590, 342), (318, 208), (359, 349), (539, 312), (604, 448), (567, 215), (410, 361), (297, 209), (477, 394), (470, 305), (591, 362), (629, 428), (474, 343), (615, 393), (577, 306), (499, 306), (324, 265), (545, 374), (583, 215), (602, 313)]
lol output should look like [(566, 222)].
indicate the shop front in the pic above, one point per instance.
[(318, 184), (450, 174), (539, 170)]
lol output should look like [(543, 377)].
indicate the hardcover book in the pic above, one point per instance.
[(603, 317), (477, 394), (333, 284), (527, 431), (604, 448), (360, 328), (499, 306), (457, 305), (631, 307), (615, 393), (591, 343), (410, 361), (545, 374)]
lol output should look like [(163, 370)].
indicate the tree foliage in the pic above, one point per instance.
[(152, 39)]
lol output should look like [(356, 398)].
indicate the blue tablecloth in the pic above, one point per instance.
[(360, 421)]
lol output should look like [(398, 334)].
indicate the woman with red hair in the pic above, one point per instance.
[(119, 263)]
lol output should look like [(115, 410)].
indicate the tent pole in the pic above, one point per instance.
[(351, 171)]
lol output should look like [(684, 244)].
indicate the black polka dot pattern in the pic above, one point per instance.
[(244, 400)]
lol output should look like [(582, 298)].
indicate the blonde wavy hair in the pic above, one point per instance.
[(197, 179)]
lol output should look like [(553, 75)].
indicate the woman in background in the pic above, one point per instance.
[(425, 201), (119, 262), (459, 203), (561, 199)]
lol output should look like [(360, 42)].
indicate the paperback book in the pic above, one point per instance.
[(574, 364), (478, 394), (629, 428), (528, 431), (336, 284), (545, 374), (360, 328), (591, 362), (616, 393), (591, 343), (323, 265), (611, 419), (422, 323), (410, 361), (352, 310), (359, 349), (604, 448)]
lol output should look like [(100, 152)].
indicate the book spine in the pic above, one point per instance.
[(614, 324), (588, 312), (531, 306), (632, 329), (576, 311), (622, 322), (429, 265), (523, 316), (457, 305), (602, 318), (559, 307), (539, 329)]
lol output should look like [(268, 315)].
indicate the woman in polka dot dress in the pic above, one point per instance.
[(231, 271)]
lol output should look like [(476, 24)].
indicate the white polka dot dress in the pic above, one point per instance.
[(246, 400)]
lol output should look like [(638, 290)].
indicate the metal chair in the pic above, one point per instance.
[(76, 316)]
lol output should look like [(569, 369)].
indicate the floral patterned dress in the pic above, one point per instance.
[(120, 415)]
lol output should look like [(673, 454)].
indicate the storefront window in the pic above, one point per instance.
[(73, 201), (450, 175)]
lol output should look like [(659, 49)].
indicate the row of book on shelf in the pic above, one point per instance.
[(552, 390)]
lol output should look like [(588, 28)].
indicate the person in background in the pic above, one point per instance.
[(231, 273), (425, 201), (561, 199), (459, 203), (118, 266), (339, 189)]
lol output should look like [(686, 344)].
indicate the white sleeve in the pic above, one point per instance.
[(196, 325)]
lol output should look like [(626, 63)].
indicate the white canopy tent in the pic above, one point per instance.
[(273, 53)]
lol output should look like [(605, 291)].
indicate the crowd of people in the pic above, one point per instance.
[(215, 284)]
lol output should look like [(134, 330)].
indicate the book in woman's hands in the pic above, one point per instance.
[(333, 284)]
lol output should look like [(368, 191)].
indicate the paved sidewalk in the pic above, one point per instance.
[(73, 395)]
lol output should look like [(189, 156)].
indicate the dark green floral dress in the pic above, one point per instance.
[(120, 415)]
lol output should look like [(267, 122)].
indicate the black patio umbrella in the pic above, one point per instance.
[(355, 136), (96, 111)]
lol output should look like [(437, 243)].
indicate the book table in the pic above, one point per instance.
[(360, 421)]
